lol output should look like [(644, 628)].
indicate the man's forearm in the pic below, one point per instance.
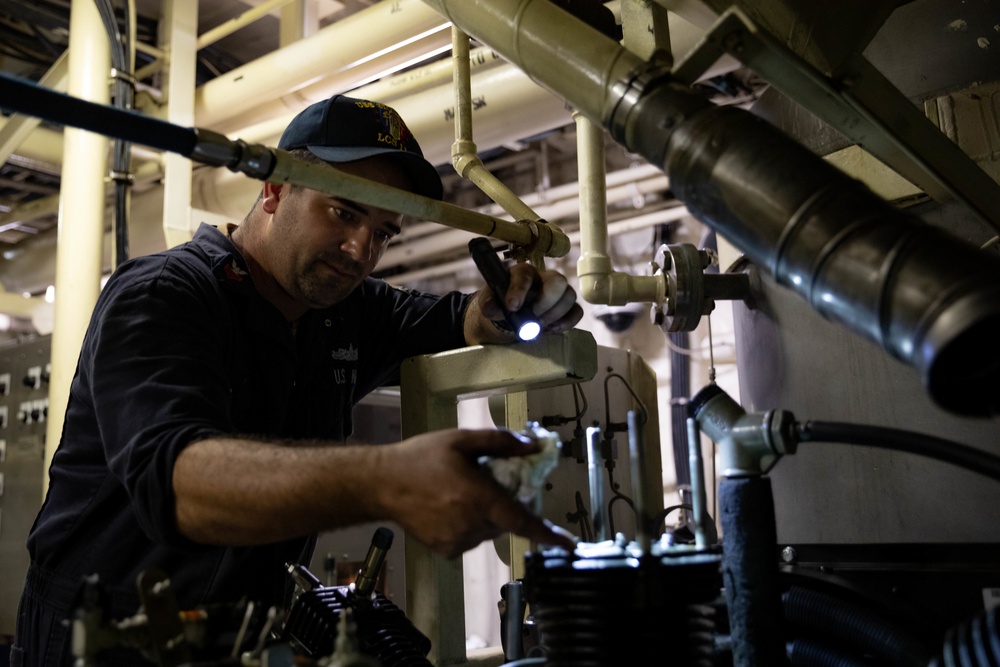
[(239, 492)]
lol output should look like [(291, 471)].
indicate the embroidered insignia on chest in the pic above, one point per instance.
[(350, 354), (234, 272)]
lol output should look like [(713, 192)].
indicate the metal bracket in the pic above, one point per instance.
[(859, 103)]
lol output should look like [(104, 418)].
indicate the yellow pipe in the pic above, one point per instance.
[(81, 214), (599, 282), (463, 152), (326, 179), (358, 45), (232, 25)]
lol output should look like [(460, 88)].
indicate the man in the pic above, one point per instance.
[(217, 377)]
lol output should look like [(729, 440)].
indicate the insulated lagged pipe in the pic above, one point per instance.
[(926, 297)]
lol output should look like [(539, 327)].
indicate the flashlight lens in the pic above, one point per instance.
[(529, 331)]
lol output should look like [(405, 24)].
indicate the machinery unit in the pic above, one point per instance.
[(856, 208)]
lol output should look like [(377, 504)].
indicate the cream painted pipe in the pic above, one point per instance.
[(178, 34), (566, 208), (45, 145), (684, 35), (697, 12), (81, 214), (40, 145), (531, 33), (346, 44), (210, 37), (406, 54), (642, 177), (447, 240), (324, 178), (20, 305), (505, 91), (31, 264), (509, 106), (30, 210), (45, 206), (464, 157), (421, 78), (599, 282), (625, 226), (18, 127)]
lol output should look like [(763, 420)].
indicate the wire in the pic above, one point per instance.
[(905, 441), (607, 402), (711, 353), (992, 242), (582, 517), (618, 495), (123, 92), (559, 420), (661, 519), (686, 351), (577, 389)]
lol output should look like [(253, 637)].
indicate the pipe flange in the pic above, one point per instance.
[(628, 92), (683, 266)]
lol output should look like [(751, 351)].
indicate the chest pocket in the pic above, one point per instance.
[(326, 381)]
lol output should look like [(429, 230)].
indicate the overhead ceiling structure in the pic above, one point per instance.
[(250, 81), (524, 133)]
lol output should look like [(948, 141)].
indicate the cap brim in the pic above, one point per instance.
[(421, 173)]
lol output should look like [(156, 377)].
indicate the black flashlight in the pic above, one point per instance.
[(498, 279)]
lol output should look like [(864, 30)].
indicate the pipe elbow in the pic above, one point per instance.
[(614, 288), (464, 157), (595, 275)]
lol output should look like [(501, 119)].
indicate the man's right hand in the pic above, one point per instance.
[(438, 493)]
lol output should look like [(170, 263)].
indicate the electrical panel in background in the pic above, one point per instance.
[(24, 410)]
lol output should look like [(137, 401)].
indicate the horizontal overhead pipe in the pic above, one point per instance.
[(263, 163), (928, 298), (356, 43), (504, 92)]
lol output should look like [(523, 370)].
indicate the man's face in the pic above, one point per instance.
[(321, 247)]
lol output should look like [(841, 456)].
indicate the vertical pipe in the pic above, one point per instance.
[(81, 214), (697, 470), (298, 20), (637, 459), (464, 152), (180, 36), (596, 477), (593, 199), (599, 282)]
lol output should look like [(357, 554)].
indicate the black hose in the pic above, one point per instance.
[(680, 392), (809, 653), (21, 96), (123, 96), (972, 643), (847, 624), (905, 441)]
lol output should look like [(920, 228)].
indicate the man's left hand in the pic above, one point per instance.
[(547, 293)]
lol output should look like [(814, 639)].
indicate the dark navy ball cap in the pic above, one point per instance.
[(345, 129)]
